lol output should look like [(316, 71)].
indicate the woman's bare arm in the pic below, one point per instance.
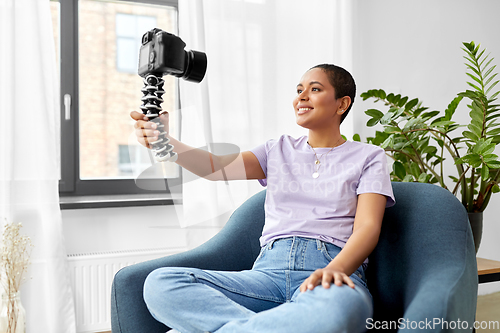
[(240, 166), (367, 224)]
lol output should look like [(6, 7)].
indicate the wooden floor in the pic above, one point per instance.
[(488, 309)]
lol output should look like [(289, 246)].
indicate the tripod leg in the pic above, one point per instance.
[(151, 108)]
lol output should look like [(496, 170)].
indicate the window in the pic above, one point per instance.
[(99, 44), (129, 31), (130, 157)]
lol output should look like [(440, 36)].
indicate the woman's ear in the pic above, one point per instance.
[(345, 102)]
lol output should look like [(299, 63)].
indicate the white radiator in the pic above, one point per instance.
[(91, 277)]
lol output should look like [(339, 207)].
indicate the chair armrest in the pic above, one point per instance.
[(443, 303)]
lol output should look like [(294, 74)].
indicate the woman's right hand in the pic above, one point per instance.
[(146, 131)]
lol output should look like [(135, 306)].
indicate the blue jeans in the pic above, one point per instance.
[(264, 299)]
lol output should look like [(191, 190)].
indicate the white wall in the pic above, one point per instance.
[(414, 48)]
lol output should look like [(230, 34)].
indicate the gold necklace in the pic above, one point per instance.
[(318, 162)]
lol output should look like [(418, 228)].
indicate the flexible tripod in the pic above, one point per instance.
[(151, 108)]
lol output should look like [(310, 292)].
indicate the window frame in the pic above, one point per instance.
[(71, 187)]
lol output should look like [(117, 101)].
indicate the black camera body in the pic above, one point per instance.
[(163, 53)]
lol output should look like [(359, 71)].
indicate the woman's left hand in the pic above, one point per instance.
[(325, 277)]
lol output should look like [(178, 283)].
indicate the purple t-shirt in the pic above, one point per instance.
[(320, 208)]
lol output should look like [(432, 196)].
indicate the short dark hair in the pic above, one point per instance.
[(342, 81)]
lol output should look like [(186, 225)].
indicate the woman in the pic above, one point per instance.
[(324, 206)]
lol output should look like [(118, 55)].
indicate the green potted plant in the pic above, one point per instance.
[(419, 140)]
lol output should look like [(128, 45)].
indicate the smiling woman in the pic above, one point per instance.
[(305, 211), (324, 97)]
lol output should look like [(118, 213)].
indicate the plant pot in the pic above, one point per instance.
[(476, 223)]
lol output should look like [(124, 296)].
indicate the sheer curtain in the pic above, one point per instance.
[(257, 51), (29, 159)]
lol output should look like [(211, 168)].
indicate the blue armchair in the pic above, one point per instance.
[(422, 274)]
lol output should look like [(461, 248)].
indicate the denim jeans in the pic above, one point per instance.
[(264, 299)]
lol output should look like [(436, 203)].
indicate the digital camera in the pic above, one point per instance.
[(163, 53)]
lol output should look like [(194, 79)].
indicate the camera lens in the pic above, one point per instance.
[(196, 66)]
